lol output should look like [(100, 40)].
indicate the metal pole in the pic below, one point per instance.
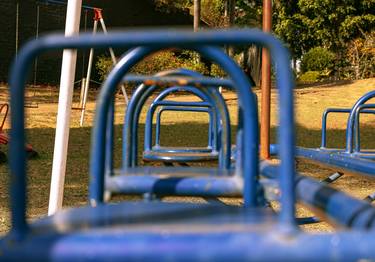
[(88, 76), (197, 14), (36, 37), (68, 67), (81, 95), (84, 52), (266, 86), (114, 60)]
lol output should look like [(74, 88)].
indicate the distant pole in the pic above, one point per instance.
[(266, 86), (68, 68), (197, 14), (17, 25), (229, 12), (36, 37)]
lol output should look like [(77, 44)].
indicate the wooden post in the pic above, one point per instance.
[(266, 86)]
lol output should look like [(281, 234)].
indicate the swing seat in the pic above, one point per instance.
[(176, 149), (4, 139), (180, 156), (168, 154)]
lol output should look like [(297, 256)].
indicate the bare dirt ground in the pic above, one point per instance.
[(310, 103)]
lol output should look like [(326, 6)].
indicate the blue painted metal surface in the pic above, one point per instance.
[(224, 184), (335, 205), (341, 110), (209, 94), (361, 109), (352, 130), (351, 121), (153, 41), (352, 163), (207, 50), (184, 232), (336, 158), (175, 105), (221, 122), (351, 159), (187, 154), (158, 244), (143, 92)]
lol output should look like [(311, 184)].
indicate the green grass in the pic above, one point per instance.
[(178, 129)]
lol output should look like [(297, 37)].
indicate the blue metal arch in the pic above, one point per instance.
[(154, 40), (250, 157), (222, 120)]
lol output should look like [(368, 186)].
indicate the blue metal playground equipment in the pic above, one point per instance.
[(184, 154), (164, 181), (211, 97), (353, 147), (157, 231), (346, 159)]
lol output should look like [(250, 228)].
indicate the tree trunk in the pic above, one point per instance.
[(229, 21), (252, 63), (197, 14)]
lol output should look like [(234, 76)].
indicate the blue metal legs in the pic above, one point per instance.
[(356, 133)]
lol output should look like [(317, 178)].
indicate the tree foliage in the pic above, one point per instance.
[(161, 61), (318, 59), (361, 57), (305, 24), (246, 12), (340, 26), (171, 5)]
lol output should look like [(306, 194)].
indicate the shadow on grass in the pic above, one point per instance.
[(76, 183), (327, 83)]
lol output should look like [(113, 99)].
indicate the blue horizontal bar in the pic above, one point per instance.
[(182, 103), (179, 232), (193, 244), (339, 207), (347, 110), (341, 160), (307, 220), (172, 149), (223, 186), (360, 162)]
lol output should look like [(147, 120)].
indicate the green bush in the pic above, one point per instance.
[(165, 60), (103, 65), (310, 77), (318, 59)]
